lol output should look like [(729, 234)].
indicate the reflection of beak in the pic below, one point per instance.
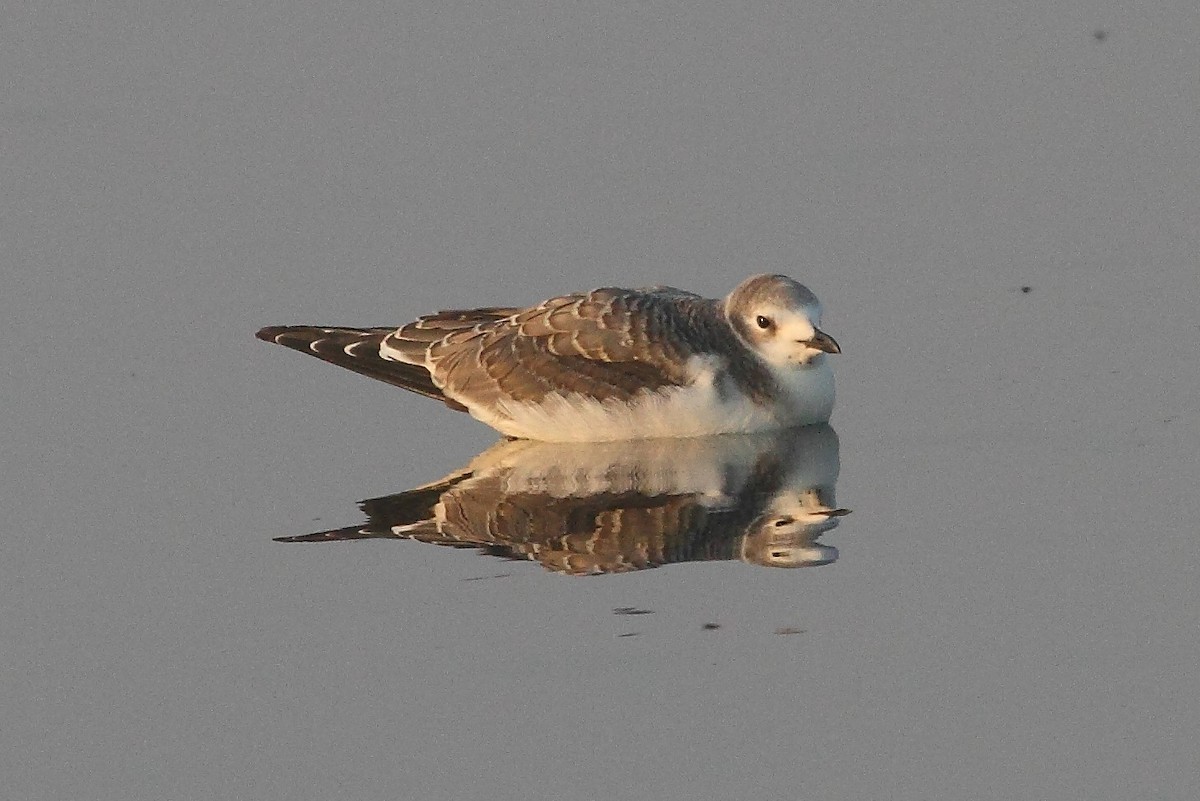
[(824, 342)]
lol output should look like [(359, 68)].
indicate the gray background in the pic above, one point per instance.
[(1014, 615)]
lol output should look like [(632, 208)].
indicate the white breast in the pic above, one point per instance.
[(693, 411), (808, 392)]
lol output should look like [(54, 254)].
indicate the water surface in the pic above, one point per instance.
[(997, 208)]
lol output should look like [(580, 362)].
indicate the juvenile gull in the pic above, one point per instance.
[(610, 364)]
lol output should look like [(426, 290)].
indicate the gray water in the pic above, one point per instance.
[(997, 206)]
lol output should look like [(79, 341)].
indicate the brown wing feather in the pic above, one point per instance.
[(411, 341), (609, 343)]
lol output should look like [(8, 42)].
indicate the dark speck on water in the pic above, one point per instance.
[(632, 610), (1026, 289), (711, 626), (1099, 34)]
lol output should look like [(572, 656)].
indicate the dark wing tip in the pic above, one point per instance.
[(338, 534), (357, 349), (271, 333)]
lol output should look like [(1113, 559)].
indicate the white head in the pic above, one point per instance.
[(780, 319)]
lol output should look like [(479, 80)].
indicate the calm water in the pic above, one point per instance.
[(998, 211)]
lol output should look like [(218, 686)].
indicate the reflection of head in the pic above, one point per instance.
[(781, 540)]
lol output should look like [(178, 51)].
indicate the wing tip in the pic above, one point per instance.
[(361, 532), (271, 333)]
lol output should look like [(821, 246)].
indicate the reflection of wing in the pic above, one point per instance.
[(627, 506), (608, 343), (598, 534)]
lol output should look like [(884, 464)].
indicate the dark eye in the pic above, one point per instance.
[(763, 322)]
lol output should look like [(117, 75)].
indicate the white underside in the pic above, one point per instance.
[(694, 411)]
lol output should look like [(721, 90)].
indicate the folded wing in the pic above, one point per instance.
[(609, 343)]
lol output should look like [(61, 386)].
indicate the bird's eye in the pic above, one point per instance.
[(763, 322)]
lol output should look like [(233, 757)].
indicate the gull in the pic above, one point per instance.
[(607, 365)]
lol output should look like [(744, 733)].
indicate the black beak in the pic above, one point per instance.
[(823, 342)]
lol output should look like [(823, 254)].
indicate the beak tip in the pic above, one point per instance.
[(823, 342)]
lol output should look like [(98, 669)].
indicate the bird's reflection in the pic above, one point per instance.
[(621, 506)]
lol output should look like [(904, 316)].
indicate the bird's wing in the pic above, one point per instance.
[(357, 349), (608, 343)]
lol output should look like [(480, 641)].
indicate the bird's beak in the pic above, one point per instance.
[(823, 342)]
